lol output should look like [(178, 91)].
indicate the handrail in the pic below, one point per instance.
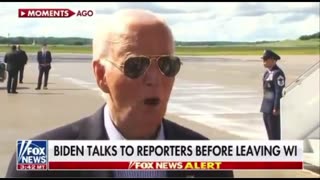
[(293, 84)]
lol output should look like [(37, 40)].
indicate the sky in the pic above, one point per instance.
[(189, 21)]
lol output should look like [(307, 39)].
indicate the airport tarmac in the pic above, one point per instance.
[(219, 96), (218, 91)]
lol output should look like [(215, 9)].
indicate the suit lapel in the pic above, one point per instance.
[(170, 131), (95, 130), (170, 134)]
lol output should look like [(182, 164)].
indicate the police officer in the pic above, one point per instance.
[(273, 84), (11, 58)]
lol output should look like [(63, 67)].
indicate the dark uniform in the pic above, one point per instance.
[(273, 84), (23, 59), (11, 58)]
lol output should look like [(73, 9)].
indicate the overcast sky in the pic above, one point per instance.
[(210, 21)]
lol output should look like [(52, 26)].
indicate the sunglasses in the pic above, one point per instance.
[(134, 67)]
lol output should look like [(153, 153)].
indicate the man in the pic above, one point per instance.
[(11, 58), (135, 68), (44, 60), (273, 84), (23, 59)]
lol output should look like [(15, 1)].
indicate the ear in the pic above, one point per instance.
[(100, 75)]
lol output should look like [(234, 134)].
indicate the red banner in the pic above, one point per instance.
[(45, 13), (173, 165)]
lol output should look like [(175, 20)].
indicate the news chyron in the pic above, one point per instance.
[(53, 13), (32, 155)]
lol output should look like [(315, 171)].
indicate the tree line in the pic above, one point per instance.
[(45, 40), (87, 41), (312, 36)]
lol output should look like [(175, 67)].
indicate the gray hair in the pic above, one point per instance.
[(108, 35)]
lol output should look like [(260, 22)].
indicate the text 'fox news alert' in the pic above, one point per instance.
[(158, 155), (53, 13)]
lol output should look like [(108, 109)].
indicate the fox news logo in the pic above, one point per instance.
[(32, 155)]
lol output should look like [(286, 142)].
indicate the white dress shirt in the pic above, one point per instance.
[(114, 134)]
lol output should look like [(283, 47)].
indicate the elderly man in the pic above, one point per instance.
[(135, 68)]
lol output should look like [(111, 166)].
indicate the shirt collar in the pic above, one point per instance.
[(113, 132), (273, 68)]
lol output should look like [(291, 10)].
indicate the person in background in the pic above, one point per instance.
[(23, 59), (11, 58), (273, 83), (44, 60)]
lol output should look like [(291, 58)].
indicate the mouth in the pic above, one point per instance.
[(154, 101)]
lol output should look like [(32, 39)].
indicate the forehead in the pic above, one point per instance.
[(145, 41), (133, 32)]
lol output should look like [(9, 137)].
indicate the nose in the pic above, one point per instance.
[(152, 75)]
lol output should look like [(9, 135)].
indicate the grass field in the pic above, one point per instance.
[(284, 48)]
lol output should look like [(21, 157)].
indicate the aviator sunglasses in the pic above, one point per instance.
[(135, 66)]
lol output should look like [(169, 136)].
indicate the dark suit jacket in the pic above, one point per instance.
[(11, 58), (47, 60), (92, 128), (23, 58)]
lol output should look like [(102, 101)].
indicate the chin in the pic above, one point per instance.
[(147, 113), (153, 116)]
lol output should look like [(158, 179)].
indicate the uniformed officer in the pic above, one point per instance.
[(273, 84)]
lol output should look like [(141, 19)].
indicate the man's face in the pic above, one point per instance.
[(44, 48), (268, 63), (144, 99)]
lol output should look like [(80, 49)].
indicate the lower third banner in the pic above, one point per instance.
[(58, 165)]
